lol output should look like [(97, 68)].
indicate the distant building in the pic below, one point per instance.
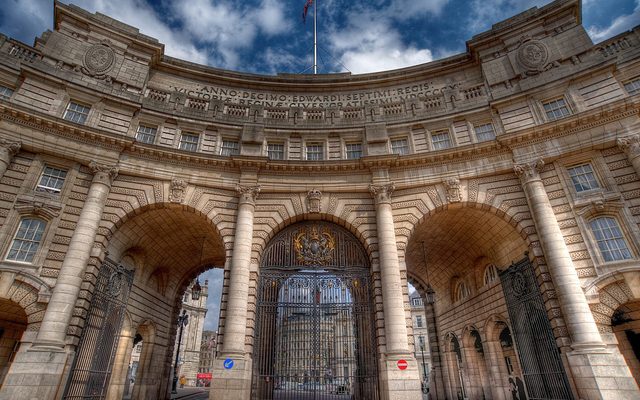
[(420, 336), (208, 353)]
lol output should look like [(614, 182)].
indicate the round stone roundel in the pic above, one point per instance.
[(533, 55), (99, 58)]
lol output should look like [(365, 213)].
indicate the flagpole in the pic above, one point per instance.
[(315, 37)]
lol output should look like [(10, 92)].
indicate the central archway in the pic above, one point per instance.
[(315, 333)]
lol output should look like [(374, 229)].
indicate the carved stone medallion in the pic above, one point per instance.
[(98, 60), (314, 246), (533, 55)]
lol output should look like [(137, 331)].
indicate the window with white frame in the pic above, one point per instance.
[(416, 301), (556, 109), (400, 146), (419, 321), (353, 151), (440, 140), (610, 240), (229, 147), (146, 134), (27, 240), (77, 112), (51, 179), (189, 141), (5, 93), (461, 291), (633, 86), (490, 274), (315, 151), (583, 177), (485, 132), (275, 151)]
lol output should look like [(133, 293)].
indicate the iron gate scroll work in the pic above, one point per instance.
[(91, 368), (315, 335), (542, 367)]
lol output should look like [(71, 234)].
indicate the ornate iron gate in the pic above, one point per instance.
[(314, 331), (91, 368), (542, 367)]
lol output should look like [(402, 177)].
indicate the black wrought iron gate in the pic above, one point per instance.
[(314, 331), (542, 367), (91, 368)]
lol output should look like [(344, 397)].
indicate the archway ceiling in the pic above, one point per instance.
[(171, 239), (456, 239), (12, 312)]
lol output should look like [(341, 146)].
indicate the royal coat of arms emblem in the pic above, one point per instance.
[(314, 246)]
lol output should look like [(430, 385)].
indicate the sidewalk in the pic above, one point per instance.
[(186, 393)]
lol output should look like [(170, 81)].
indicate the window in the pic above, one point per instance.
[(417, 301), (229, 148), (485, 132), (490, 274), (27, 239), (419, 321), (610, 240), (421, 342), (400, 146), (583, 177), (633, 87), (440, 140), (353, 151), (556, 109), (314, 151), (461, 292), (189, 142), (146, 134), (76, 112), (5, 93), (51, 180), (275, 151)]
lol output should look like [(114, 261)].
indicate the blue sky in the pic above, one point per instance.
[(268, 36)]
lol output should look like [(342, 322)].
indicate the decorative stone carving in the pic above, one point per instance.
[(12, 148), (39, 205), (453, 189), (313, 200), (529, 171), (177, 190), (630, 145), (314, 246), (248, 194), (104, 174), (382, 193), (533, 55), (98, 60)]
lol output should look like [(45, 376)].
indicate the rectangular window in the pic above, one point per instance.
[(229, 148), (275, 151), (76, 112), (189, 142), (556, 109), (315, 152), (583, 178), (632, 87), (146, 134), (400, 146), (419, 321), (353, 151), (421, 341), (27, 240), (485, 132), (440, 140), (5, 93), (51, 180), (416, 301), (611, 242)]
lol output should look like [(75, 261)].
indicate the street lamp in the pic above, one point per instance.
[(183, 320)]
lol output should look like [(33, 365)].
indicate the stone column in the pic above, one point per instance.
[(7, 151), (631, 146), (591, 364), (53, 330), (395, 383)]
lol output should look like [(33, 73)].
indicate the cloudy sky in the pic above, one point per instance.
[(268, 36)]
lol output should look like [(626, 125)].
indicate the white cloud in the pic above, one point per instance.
[(483, 12), (618, 25)]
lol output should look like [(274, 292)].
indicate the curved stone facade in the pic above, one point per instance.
[(525, 144)]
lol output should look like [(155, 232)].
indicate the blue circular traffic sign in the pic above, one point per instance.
[(228, 363)]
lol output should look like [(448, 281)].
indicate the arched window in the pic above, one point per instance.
[(490, 274), (27, 240), (610, 240), (461, 292)]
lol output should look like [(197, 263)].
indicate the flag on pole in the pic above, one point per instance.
[(306, 8)]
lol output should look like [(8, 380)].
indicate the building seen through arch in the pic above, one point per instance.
[(501, 183)]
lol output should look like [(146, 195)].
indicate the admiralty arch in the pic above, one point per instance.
[(502, 183)]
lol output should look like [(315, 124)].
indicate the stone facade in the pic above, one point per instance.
[(528, 143)]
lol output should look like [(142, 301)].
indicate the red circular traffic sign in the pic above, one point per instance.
[(402, 364)]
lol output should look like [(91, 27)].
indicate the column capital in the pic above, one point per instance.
[(630, 145), (248, 194), (382, 193), (12, 147), (530, 171), (103, 173)]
